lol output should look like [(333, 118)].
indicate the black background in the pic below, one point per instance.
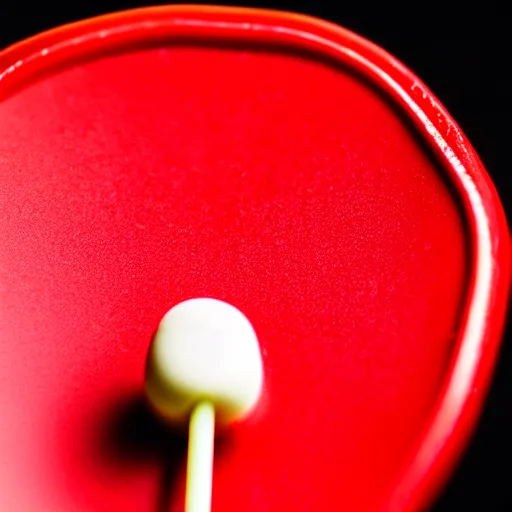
[(461, 51)]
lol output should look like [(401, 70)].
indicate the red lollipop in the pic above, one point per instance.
[(272, 161)]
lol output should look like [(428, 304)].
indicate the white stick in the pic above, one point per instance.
[(200, 458)]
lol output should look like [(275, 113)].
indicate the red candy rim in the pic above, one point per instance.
[(468, 377)]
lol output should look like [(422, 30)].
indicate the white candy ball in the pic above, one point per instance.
[(204, 349)]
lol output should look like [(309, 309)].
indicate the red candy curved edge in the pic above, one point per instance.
[(467, 381)]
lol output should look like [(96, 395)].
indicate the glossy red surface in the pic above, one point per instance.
[(172, 156)]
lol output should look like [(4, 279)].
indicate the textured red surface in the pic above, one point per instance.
[(287, 187)]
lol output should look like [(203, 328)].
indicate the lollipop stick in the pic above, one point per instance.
[(200, 458)]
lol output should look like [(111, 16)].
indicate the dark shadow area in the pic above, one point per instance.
[(134, 432), (134, 435)]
